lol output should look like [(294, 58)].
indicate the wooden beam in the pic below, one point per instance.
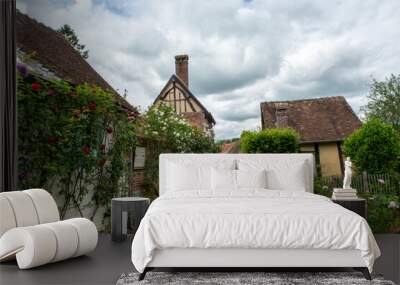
[(187, 98), (340, 157), (166, 93), (173, 86), (317, 160)]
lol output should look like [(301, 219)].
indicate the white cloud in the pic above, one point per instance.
[(241, 52)]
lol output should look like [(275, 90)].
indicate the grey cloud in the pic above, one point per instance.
[(241, 52), (238, 115)]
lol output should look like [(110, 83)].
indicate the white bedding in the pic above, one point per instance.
[(252, 218)]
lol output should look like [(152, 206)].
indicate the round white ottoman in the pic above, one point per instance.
[(40, 244)]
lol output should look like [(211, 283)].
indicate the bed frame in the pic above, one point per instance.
[(248, 259)]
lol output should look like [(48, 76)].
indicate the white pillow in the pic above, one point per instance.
[(292, 179), (194, 173), (223, 179), (251, 178), (282, 174), (183, 177)]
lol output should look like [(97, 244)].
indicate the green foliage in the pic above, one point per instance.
[(72, 38), (73, 139), (374, 148), (325, 187), (172, 132), (383, 214), (167, 132), (384, 101), (276, 140)]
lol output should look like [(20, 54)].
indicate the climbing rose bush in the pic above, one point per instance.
[(72, 139)]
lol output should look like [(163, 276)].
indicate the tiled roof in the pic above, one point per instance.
[(55, 53), (316, 120), (233, 147)]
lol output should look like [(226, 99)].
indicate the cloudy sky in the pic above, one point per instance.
[(241, 52)]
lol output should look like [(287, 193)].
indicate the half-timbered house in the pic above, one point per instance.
[(177, 95)]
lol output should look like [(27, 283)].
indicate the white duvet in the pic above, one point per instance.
[(250, 219)]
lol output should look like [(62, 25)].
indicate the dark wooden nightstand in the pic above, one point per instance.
[(358, 206)]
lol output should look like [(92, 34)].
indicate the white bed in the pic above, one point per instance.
[(200, 223)]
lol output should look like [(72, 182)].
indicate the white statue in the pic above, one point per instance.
[(347, 174)]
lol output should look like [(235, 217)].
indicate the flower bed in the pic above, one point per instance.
[(383, 213)]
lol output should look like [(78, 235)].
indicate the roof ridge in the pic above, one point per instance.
[(306, 99)]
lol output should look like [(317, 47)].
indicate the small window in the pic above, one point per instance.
[(140, 155)]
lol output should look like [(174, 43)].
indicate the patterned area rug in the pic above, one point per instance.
[(231, 278)]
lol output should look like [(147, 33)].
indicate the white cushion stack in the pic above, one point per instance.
[(31, 231)]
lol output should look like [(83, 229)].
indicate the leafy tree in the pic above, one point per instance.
[(276, 140), (72, 38), (374, 148), (384, 101)]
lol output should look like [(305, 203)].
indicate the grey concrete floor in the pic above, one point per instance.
[(110, 259), (103, 266), (389, 263)]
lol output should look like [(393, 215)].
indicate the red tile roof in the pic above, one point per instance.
[(316, 120), (55, 53), (233, 147)]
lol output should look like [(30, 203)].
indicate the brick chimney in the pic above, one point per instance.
[(281, 115), (181, 68)]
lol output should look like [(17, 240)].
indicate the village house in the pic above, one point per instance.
[(47, 54), (323, 124), (177, 95)]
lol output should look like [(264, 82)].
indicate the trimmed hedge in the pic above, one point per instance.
[(276, 140)]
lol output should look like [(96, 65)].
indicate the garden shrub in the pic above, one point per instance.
[(168, 132), (73, 139), (276, 140), (383, 213), (374, 148), (323, 188)]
